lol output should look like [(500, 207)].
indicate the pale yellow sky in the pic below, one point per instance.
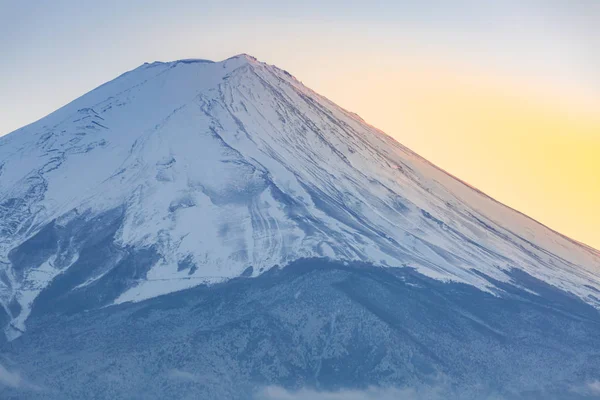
[(505, 95), (533, 145)]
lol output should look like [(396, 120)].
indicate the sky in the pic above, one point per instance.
[(504, 94)]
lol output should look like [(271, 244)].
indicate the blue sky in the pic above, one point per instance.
[(531, 68), (60, 49)]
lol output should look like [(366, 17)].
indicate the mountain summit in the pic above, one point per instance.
[(193, 173)]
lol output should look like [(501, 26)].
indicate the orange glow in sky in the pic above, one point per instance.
[(531, 146), (504, 95)]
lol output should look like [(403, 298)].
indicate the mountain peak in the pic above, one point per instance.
[(239, 58), (194, 172), (244, 56), (343, 260)]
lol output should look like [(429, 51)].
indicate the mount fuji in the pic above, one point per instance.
[(199, 229)]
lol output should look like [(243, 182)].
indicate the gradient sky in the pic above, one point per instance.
[(504, 94)]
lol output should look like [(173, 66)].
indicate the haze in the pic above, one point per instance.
[(504, 95)]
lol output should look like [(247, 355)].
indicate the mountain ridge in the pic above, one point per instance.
[(271, 170), (254, 59)]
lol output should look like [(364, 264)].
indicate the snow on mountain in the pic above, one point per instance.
[(189, 172)]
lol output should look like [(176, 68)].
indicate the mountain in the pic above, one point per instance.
[(217, 230)]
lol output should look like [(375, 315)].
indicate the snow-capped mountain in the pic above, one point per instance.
[(183, 173), (217, 230)]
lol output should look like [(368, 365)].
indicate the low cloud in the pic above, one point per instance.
[(13, 379), (184, 376), (191, 377), (279, 393), (591, 388), (10, 379), (372, 393), (594, 387)]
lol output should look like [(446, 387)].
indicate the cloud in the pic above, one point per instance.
[(14, 380), (594, 387), (591, 388), (184, 376), (279, 393), (191, 377), (372, 393), (10, 379)]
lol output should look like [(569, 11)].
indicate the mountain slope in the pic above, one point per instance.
[(179, 174), (315, 327)]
